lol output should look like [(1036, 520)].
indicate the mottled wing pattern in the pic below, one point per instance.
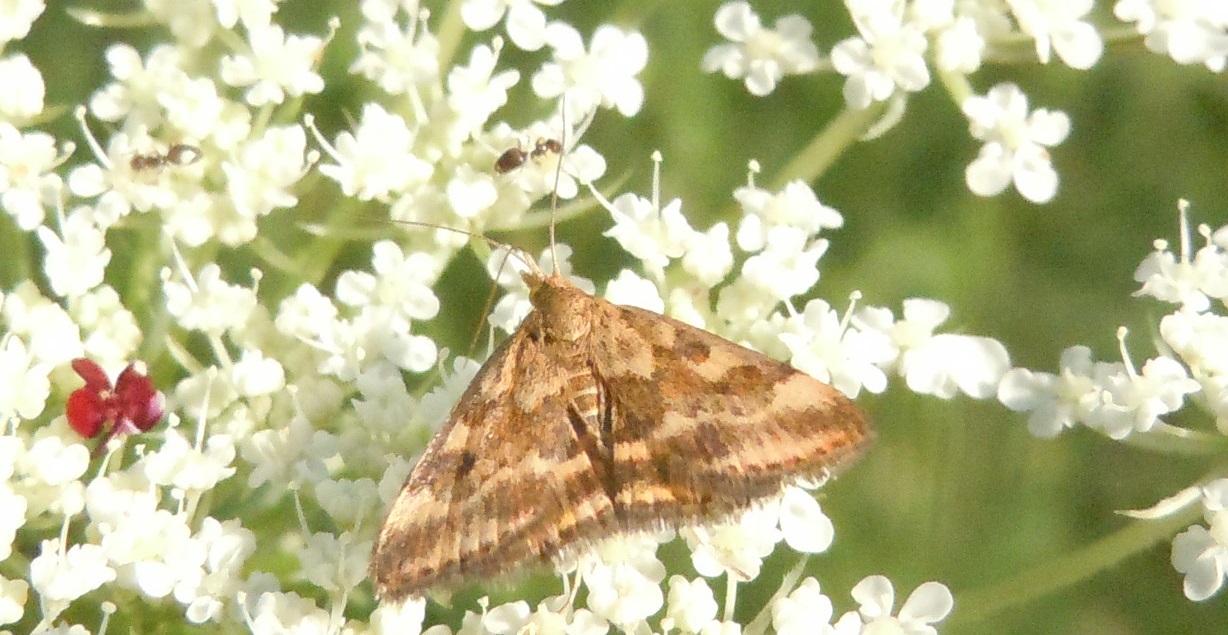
[(717, 429), (484, 499), (594, 418)]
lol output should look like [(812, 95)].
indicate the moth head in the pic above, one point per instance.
[(565, 310)]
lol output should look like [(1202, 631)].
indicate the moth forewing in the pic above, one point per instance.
[(594, 419)]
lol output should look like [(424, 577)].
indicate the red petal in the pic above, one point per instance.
[(136, 398), (89, 370), (85, 412)]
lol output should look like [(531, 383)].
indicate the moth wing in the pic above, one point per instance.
[(703, 428), (503, 484)]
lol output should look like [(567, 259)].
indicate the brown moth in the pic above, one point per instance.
[(593, 420)]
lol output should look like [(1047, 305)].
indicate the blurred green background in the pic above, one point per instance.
[(954, 491)]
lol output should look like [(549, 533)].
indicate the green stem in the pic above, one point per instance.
[(449, 34), (1175, 440), (982, 604), (845, 130)]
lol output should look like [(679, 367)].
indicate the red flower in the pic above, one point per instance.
[(131, 406)]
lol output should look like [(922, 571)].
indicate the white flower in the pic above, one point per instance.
[(76, 263), (959, 44), (17, 16), (803, 611), (209, 304), (476, 91), (762, 56), (335, 562), (653, 235), (736, 547), (624, 578), (152, 550), (395, 56), (471, 192), (195, 106), (26, 177), (940, 365), (25, 100), (1202, 559), (787, 266), (628, 289), (1058, 24), (12, 516), (59, 577), (49, 332), (110, 500), (383, 404), (401, 283), (276, 65), (889, 54), (259, 177), (346, 501), (928, 604), (849, 359), (227, 546), (1189, 281), (53, 462), (13, 594), (804, 526), (551, 617), (1138, 400), (109, 330), (377, 160), (1061, 401), (26, 386), (1200, 339), (1201, 553), (194, 470), (605, 75), (404, 618), (289, 456), (708, 255), (506, 618), (794, 206), (277, 612), (526, 24), (1188, 32), (690, 605), (948, 364), (255, 375), (1015, 143)]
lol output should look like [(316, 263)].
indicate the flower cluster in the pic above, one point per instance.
[(901, 44), (1121, 400), (205, 364)]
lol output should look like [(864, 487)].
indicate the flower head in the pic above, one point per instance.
[(762, 56), (1015, 144)]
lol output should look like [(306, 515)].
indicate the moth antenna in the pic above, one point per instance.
[(558, 175), (490, 303), (520, 253)]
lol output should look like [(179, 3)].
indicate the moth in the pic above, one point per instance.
[(592, 420)]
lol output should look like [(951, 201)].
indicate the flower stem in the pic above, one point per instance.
[(982, 604), (831, 142)]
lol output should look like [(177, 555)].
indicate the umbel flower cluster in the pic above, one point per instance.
[(208, 402)]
